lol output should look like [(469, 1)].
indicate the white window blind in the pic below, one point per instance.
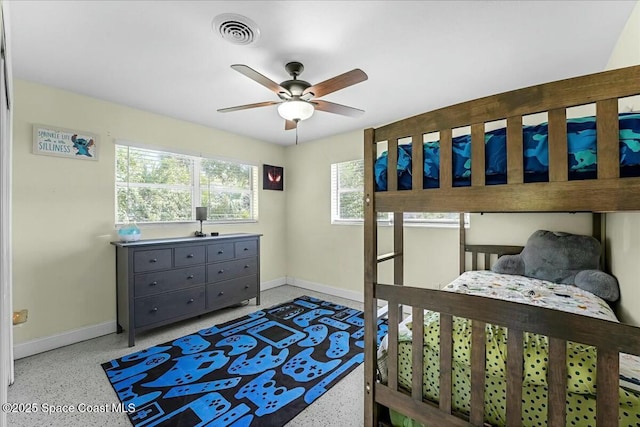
[(160, 186), (347, 191), (229, 190)]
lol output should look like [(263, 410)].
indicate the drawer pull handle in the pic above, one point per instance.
[(246, 249), (246, 286), (154, 309), (190, 301), (220, 271), (190, 256), (153, 283), (190, 276), (153, 260), (221, 293), (246, 266), (220, 252)]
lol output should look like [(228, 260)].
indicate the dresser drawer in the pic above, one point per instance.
[(165, 306), (155, 283), (231, 269), (232, 291), (158, 259), (189, 255), (246, 248), (220, 252)]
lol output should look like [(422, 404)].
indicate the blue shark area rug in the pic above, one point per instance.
[(259, 370)]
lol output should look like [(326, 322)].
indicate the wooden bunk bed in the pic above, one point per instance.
[(606, 193)]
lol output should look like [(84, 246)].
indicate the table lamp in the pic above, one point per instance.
[(201, 215)]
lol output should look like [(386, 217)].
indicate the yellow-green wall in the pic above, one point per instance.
[(64, 209), (623, 229)]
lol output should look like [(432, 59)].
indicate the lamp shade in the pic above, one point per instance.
[(295, 110), (201, 213)]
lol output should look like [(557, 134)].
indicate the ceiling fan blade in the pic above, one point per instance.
[(247, 106), (332, 107), (290, 125), (338, 82), (259, 78)]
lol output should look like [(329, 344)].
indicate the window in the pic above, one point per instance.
[(347, 191), (347, 194), (159, 186), (228, 190)]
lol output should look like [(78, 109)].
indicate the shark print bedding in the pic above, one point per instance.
[(581, 149)]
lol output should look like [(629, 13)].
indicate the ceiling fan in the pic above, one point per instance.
[(297, 97)]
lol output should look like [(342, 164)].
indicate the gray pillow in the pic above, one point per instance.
[(566, 258), (558, 257), (509, 264), (598, 283)]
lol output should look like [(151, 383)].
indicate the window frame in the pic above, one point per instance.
[(384, 218), (194, 187), (336, 193)]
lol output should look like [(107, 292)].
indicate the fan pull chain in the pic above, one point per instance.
[(296, 135)]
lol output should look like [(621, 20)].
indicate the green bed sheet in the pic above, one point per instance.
[(581, 359)]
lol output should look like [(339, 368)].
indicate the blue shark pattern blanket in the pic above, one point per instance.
[(259, 370), (581, 146)]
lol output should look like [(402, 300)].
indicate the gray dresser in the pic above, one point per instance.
[(162, 281)]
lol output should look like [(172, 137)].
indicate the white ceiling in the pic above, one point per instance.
[(164, 57)]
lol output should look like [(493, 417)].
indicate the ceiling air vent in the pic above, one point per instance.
[(236, 29)]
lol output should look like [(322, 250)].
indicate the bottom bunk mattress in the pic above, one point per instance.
[(581, 359)]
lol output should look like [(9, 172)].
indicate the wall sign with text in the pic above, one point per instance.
[(54, 141)]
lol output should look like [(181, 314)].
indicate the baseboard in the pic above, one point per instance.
[(41, 345), (325, 289), (273, 283)]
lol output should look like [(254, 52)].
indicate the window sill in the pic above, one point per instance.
[(182, 223), (412, 224)]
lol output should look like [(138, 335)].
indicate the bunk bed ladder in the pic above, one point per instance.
[(370, 279)]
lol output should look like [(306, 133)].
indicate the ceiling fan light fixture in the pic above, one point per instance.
[(295, 110)]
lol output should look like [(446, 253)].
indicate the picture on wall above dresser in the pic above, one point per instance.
[(272, 177)]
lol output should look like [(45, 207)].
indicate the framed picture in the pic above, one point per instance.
[(272, 177), (60, 142)]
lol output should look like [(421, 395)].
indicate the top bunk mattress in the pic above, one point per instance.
[(581, 149)]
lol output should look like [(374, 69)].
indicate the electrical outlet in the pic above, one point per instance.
[(20, 316)]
